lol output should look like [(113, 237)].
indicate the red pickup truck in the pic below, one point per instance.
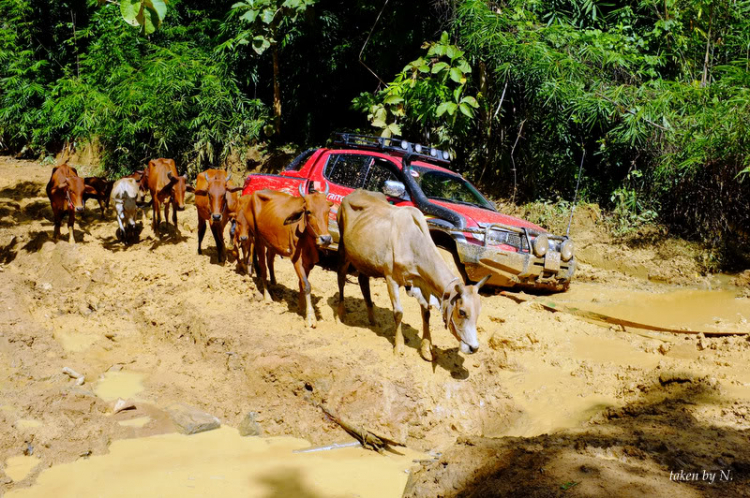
[(470, 233)]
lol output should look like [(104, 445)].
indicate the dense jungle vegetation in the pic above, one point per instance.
[(655, 93)]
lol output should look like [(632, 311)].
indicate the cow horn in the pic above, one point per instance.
[(205, 175), (483, 281), (301, 192), (328, 189), (229, 176)]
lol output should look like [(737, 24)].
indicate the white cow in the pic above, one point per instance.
[(126, 195)]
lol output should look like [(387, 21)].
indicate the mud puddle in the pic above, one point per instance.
[(222, 463), (669, 307)]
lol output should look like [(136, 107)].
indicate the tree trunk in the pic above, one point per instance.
[(276, 92)]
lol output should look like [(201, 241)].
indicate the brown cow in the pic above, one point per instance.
[(65, 192), (381, 240), (216, 201), (98, 188), (167, 187), (293, 227)]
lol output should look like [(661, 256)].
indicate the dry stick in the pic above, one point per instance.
[(512, 151), (75, 40), (599, 317), (367, 439), (368, 41)]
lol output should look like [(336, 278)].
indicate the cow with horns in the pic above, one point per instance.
[(216, 199), (294, 227), (404, 254)]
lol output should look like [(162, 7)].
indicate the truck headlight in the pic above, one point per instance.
[(566, 250), (541, 244)]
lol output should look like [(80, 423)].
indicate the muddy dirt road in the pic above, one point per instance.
[(551, 404)]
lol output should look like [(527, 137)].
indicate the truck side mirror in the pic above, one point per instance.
[(393, 188)]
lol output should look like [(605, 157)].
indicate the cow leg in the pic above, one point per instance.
[(271, 270), (232, 230), (58, 223), (119, 216), (219, 238), (262, 271), (166, 212), (425, 350), (201, 232), (364, 284), (343, 267), (71, 221), (101, 206), (174, 214), (156, 218), (398, 314), (305, 290)]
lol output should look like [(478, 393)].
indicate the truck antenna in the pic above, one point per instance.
[(575, 197)]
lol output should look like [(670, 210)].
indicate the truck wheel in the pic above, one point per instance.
[(456, 267)]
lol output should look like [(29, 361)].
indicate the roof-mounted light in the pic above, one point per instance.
[(446, 155), (404, 144), (418, 148), (433, 152)]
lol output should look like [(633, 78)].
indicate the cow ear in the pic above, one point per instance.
[(234, 189), (189, 188), (200, 192), (295, 216)]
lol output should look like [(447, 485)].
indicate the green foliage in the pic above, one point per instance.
[(264, 21), (421, 97), (148, 14), (138, 99)]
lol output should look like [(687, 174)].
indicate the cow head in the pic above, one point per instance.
[(73, 188), (314, 215), (242, 230), (179, 186), (219, 194), (460, 313)]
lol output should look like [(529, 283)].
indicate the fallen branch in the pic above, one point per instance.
[(367, 439)]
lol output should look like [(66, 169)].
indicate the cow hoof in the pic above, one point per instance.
[(267, 297), (311, 324), (398, 350), (371, 316), (340, 312), (426, 351)]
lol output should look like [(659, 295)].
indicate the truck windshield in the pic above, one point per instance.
[(447, 187)]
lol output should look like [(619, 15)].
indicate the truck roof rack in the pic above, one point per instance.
[(394, 146)]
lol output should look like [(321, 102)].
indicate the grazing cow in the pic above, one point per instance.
[(65, 192), (381, 240), (126, 196), (166, 187), (98, 188), (293, 227), (216, 201)]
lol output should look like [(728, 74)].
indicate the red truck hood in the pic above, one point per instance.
[(476, 216)]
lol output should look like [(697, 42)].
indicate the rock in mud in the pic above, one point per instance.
[(249, 426), (191, 420)]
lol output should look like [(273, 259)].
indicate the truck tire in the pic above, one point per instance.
[(455, 265)]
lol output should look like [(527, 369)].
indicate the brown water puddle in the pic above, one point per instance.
[(125, 385), (679, 308), (221, 463)]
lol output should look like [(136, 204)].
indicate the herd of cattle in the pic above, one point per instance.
[(269, 223)]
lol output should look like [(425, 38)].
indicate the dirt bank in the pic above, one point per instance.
[(159, 324)]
